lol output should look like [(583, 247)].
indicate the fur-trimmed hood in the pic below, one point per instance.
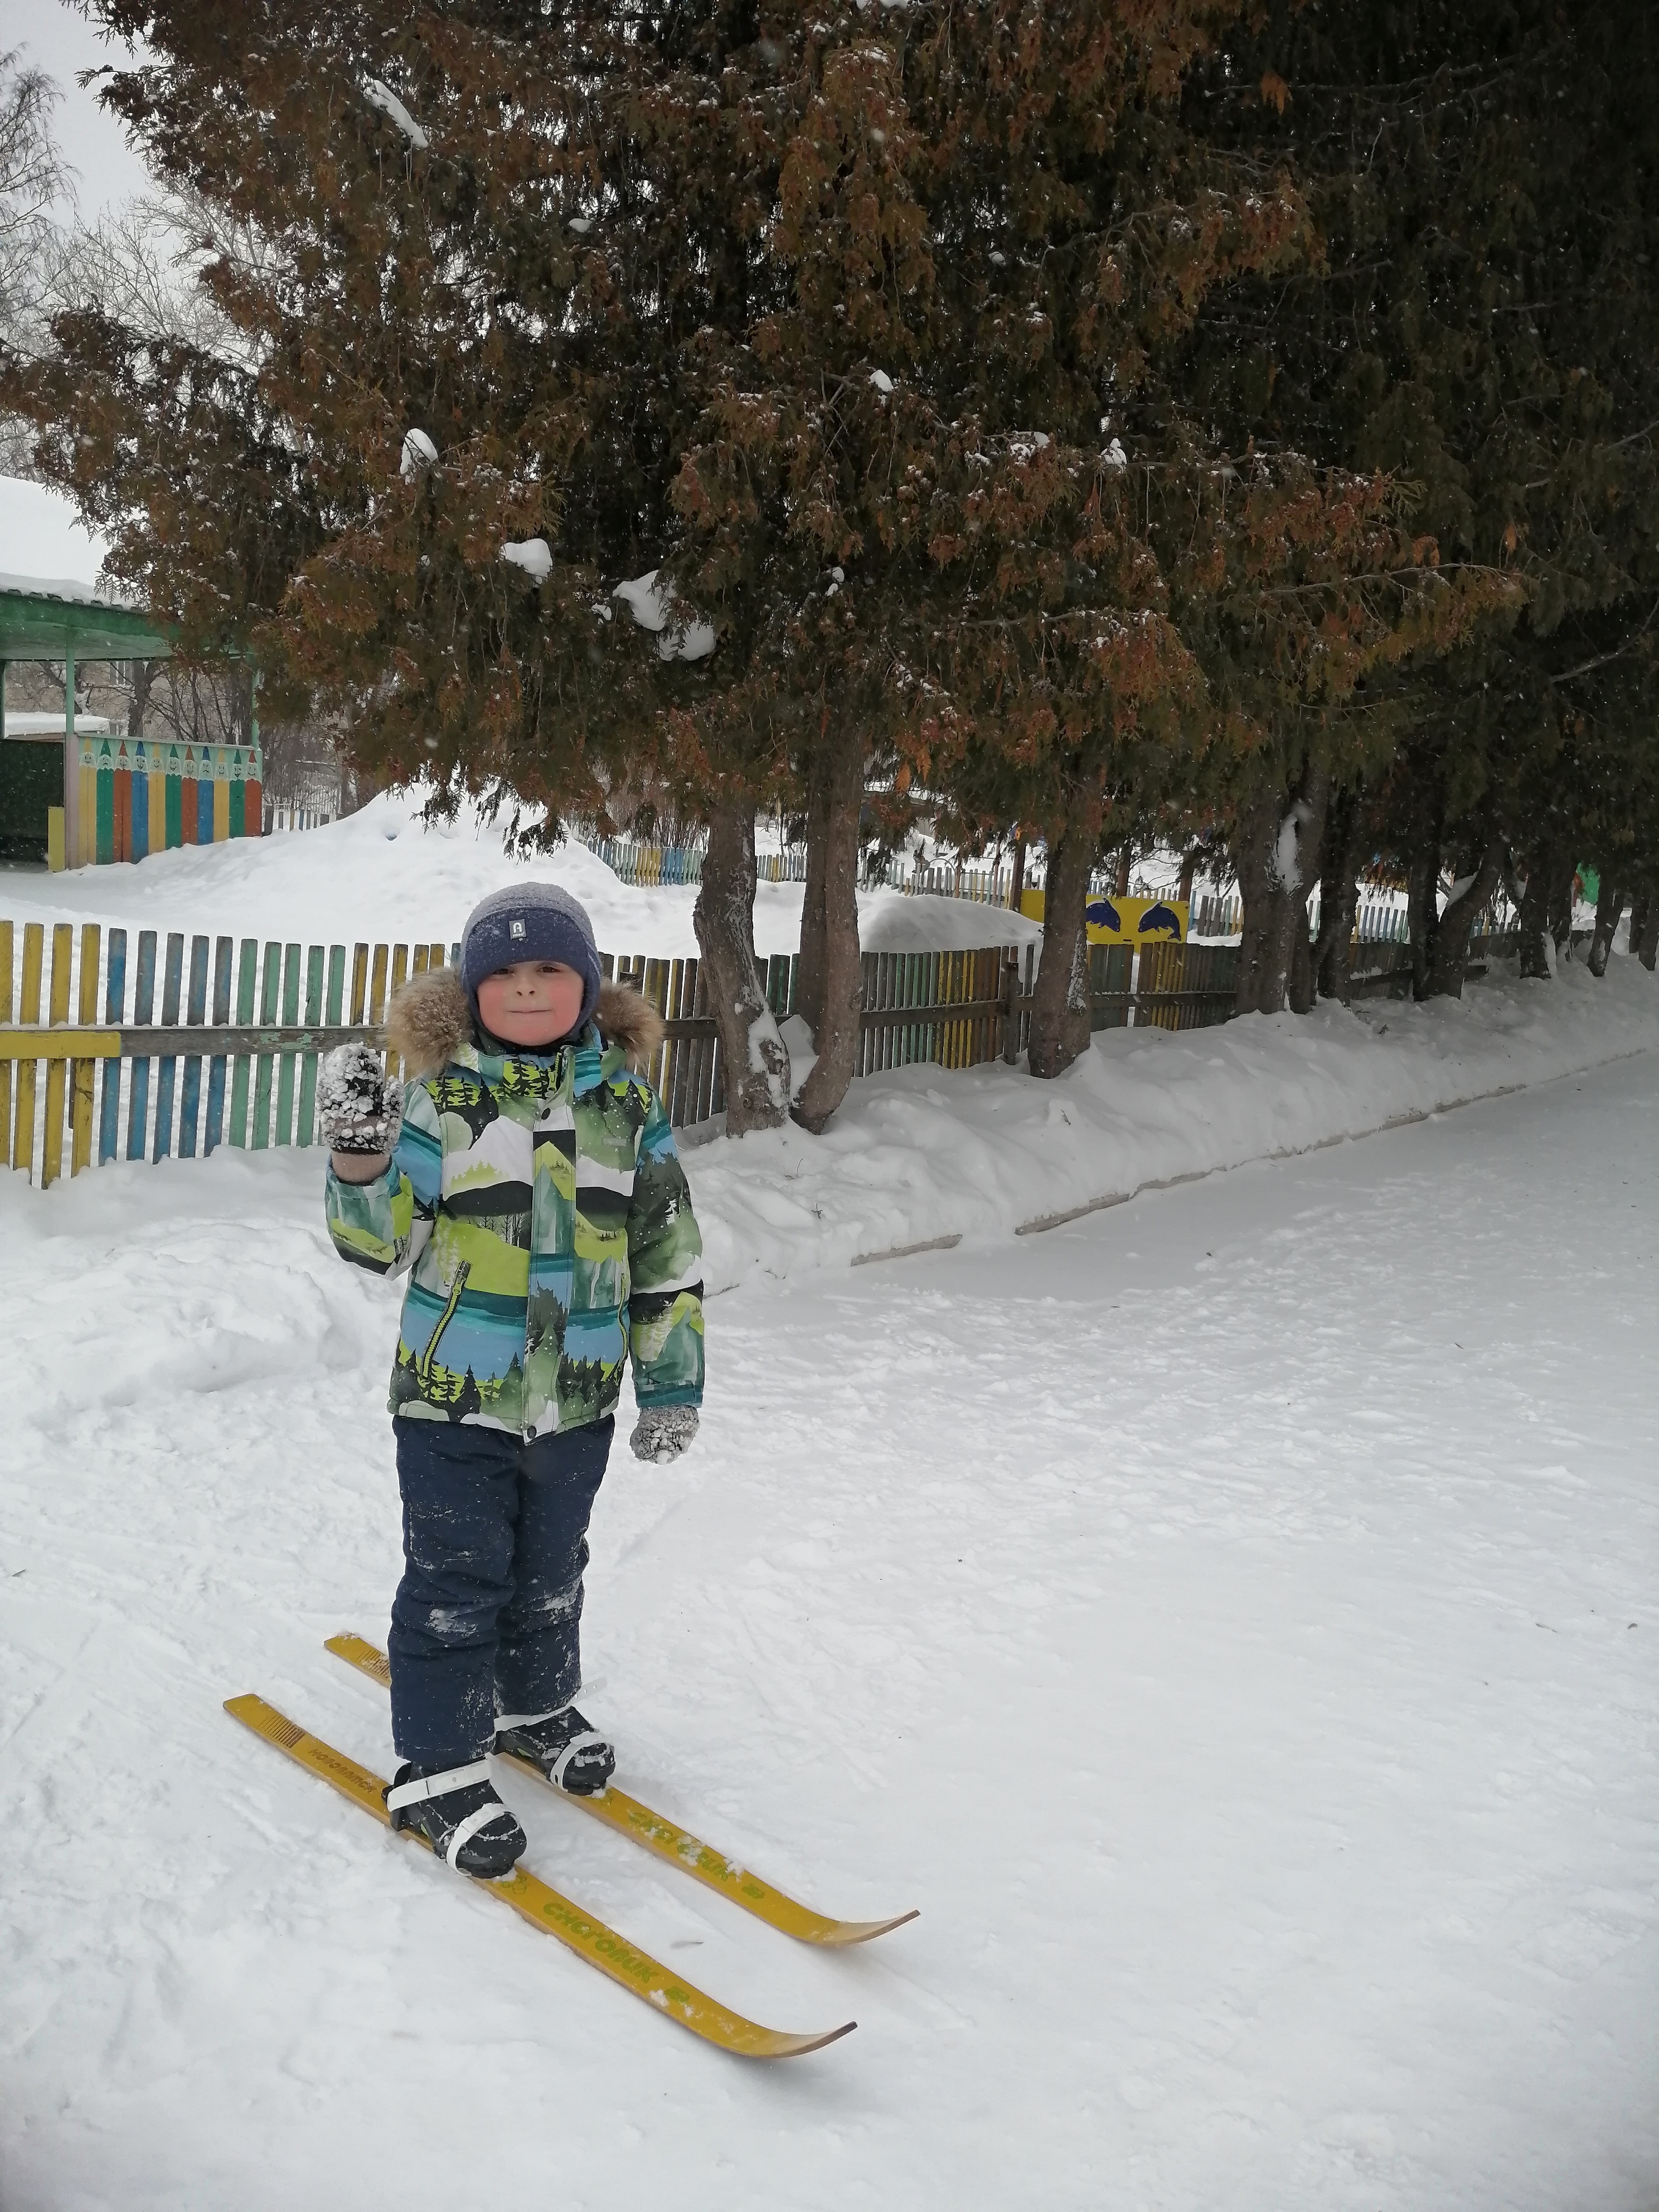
[(430, 1020)]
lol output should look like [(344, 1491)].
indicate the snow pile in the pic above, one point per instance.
[(382, 874), (922, 1155)]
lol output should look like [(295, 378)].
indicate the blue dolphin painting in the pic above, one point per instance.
[(1103, 914), (1161, 917)]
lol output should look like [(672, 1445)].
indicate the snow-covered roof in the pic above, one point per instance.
[(51, 587), (53, 725)]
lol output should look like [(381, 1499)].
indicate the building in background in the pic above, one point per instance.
[(112, 751)]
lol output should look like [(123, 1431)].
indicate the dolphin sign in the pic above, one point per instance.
[(1103, 914), (1161, 917)]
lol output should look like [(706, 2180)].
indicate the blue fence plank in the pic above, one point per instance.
[(171, 983), (143, 1012), (190, 1100), (115, 1002)]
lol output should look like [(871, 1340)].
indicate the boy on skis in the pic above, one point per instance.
[(526, 1177)]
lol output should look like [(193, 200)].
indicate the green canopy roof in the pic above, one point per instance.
[(48, 619)]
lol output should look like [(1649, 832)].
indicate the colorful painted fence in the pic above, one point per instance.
[(142, 795), (181, 1044)]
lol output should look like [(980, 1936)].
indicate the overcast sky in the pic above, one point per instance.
[(57, 40), (40, 534)]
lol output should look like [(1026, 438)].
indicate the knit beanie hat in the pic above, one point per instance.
[(529, 921)]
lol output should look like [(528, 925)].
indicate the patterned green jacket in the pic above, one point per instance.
[(543, 1211)]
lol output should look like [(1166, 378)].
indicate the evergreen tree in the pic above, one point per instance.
[(1480, 324)]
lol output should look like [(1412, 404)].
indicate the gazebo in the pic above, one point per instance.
[(121, 797)]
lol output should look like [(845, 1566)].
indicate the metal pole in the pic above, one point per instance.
[(71, 768)]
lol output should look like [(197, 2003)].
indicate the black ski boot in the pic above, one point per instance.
[(571, 1755), (457, 1810)]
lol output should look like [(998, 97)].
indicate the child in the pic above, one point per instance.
[(526, 1175)]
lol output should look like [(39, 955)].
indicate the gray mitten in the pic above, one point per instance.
[(662, 1432), (360, 1107)]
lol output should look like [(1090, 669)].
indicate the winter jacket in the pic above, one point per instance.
[(542, 1209)]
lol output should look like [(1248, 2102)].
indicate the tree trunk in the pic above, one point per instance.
[(1338, 899), (1452, 936), (1126, 860), (143, 677), (1189, 860), (1644, 929), (1016, 888), (1423, 877), (1558, 891), (829, 983), (1279, 853), (1609, 905), (1059, 1003), (1535, 947), (755, 1057)]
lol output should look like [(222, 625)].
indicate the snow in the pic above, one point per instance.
[(534, 554), (919, 1155), (1287, 847), (651, 606), (383, 97), (29, 724), (418, 452), (881, 380), (1229, 1618), (382, 874)]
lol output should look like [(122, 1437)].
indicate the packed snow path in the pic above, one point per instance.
[(1231, 1619)]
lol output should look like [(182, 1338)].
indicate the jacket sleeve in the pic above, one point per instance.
[(665, 1261), (383, 1225)]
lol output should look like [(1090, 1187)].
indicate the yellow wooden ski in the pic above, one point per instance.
[(675, 1844), (545, 1908)]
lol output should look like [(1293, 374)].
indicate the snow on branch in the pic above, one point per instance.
[(419, 452), (534, 554), (651, 606), (383, 97)]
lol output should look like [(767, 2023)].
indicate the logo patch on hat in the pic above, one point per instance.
[(515, 927)]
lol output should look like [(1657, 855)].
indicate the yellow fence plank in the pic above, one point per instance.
[(63, 958), (5, 1062), (22, 1141)]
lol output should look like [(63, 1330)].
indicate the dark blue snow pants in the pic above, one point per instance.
[(487, 1617)]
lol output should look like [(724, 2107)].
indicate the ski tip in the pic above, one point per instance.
[(797, 2046), (844, 1934)]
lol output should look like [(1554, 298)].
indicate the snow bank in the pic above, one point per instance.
[(923, 1157), (383, 873)]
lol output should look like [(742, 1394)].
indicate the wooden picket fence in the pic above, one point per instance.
[(180, 1045)]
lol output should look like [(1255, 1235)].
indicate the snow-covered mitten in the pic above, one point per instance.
[(457, 1810), (662, 1432), (360, 1107), (571, 1755)]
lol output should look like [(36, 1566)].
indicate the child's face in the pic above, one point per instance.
[(533, 1003)]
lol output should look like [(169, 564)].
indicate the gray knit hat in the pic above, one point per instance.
[(531, 922)]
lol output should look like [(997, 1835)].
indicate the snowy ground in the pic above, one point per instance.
[(383, 874), (1230, 1618)]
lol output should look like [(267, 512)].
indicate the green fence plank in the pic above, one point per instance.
[(270, 989), (308, 1061), (247, 976), (285, 1065)]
